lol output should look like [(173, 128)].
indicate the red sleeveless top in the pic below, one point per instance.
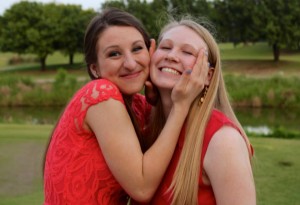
[(75, 169), (205, 192)]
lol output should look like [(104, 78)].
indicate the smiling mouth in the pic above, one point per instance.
[(131, 75), (170, 70)]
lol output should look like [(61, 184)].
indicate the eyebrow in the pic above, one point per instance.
[(184, 45), (189, 46)]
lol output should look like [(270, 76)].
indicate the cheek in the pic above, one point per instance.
[(155, 58), (189, 62), (107, 69), (146, 60)]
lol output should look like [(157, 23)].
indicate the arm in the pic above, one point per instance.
[(228, 168), (140, 174)]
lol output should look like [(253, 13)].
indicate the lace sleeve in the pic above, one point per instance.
[(92, 93)]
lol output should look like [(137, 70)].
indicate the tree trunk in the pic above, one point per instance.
[(276, 52), (43, 63), (71, 59)]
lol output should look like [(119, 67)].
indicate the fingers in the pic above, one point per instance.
[(185, 78), (152, 47), (201, 65), (198, 74), (151, 93), (192, 82)]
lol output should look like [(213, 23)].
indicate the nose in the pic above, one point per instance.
[(172, 56), (129, 62)]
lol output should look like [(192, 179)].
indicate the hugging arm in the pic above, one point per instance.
[(140, 174)]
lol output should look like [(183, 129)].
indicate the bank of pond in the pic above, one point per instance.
[(257, 122), (265, 106), (276, 91)]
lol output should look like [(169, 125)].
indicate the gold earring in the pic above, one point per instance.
[(204, 92), (96, 75)]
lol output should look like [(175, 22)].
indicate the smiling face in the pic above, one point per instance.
[(176, 52), (123, 58)]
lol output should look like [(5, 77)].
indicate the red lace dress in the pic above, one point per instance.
[(75, 169)]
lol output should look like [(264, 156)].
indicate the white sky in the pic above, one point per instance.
[(85, 4)]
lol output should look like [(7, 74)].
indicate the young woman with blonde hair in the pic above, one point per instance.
[(212, 160)]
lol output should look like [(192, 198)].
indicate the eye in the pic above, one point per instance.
[(165, 47), (188, 53), (137, 48), (114, 54)]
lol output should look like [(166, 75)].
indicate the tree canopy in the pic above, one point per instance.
[(41, 29)]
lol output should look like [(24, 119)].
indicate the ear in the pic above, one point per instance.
[(209, 76), (94, 70), (152, 47)]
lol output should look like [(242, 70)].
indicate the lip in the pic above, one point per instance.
[(131, 75)]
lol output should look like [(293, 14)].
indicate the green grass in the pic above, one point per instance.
[(239, 57), (21, 155), (276, 166), (52, 61), (257, 51)]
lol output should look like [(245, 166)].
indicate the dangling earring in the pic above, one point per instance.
[(96, 75), (204, 92)]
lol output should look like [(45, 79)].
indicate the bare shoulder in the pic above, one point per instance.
[(228, 168), (228, 138), (226, 146)]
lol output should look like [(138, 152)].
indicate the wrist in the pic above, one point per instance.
[(180, 109)]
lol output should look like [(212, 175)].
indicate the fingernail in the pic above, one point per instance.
[(206, 52), (188, 71)]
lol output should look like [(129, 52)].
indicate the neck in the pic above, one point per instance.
[(128, 98)]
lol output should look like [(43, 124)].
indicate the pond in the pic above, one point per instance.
[(253, 119)]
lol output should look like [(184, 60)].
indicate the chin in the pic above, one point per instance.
[(165, 85), (132, 90)]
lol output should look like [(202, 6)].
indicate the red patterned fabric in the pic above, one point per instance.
[(75, 169), (205, 193)]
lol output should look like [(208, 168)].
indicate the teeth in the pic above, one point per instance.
[(169, 70)]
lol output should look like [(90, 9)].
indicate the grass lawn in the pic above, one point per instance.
[(276, 166), (257, 60), (277, 171), (253, 59), (21, 156)]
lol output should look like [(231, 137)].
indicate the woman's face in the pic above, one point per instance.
[(176, 52), (123, 58)]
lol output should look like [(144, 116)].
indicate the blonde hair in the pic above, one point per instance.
[(184, 185)]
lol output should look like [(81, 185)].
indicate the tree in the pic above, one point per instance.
[(31, 27), (121, 4), (41, 29), (280, 23), (143, 10), (1, 26), (236, 21), (71, 29)]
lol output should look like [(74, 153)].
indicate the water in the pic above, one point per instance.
[(30, 115), (259, 121)]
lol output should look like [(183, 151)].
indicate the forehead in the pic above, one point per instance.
[(184, 35), (119, 35)]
